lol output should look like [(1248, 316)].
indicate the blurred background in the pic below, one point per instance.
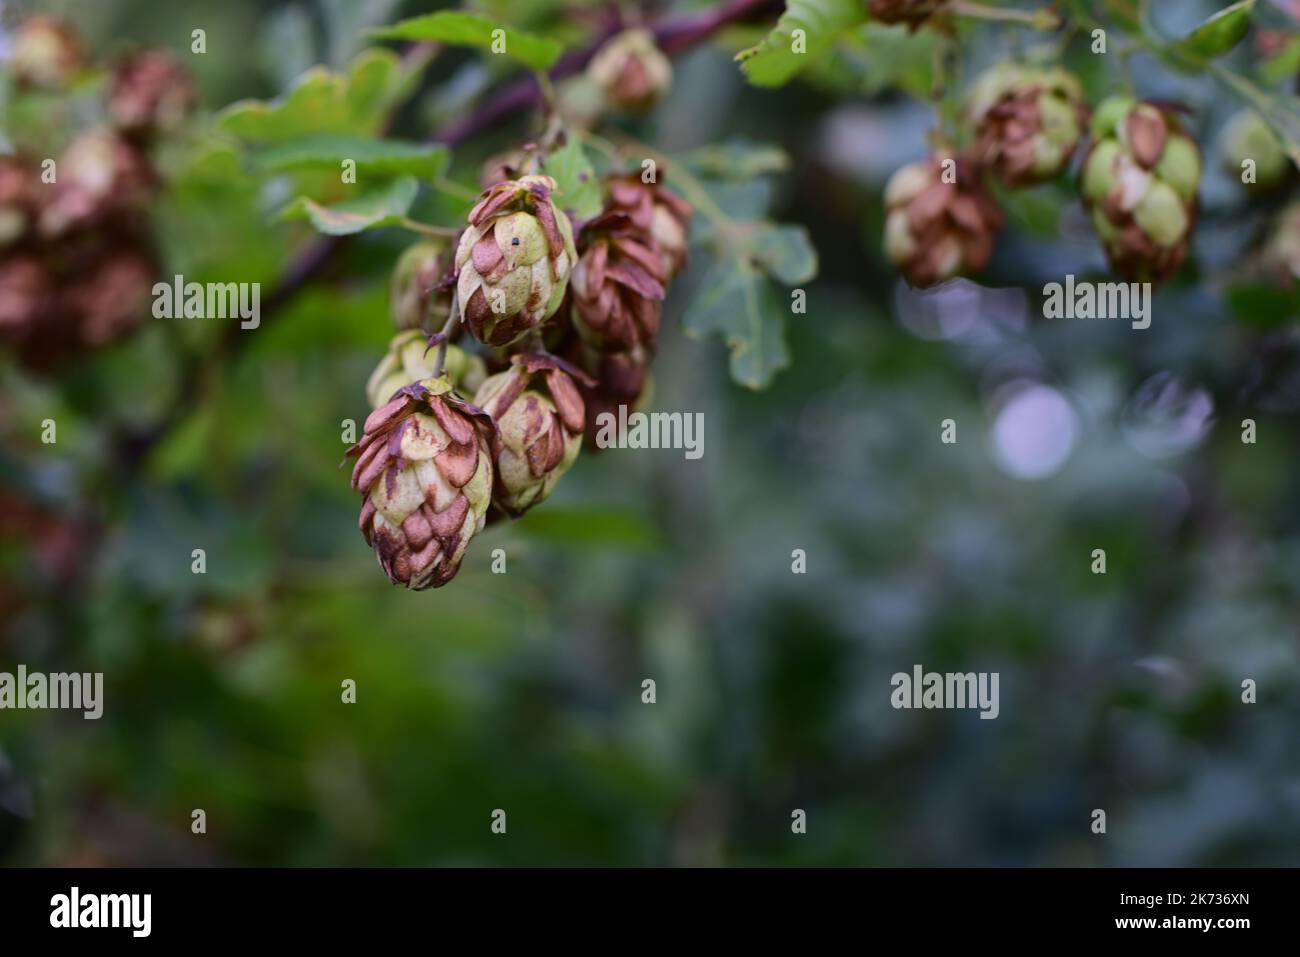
[(523, 691)]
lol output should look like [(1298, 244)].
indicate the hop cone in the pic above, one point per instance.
[(150, 92), (539, 415), (616, 379), (112, 297), (501, 168), (25, 293), (1027, 122), (101, 176), (618, 284), (419, 296), (46, 53), (1139, 182), (424, 467), (18, 198), (911, 12), (631, 71), (95, 290), (935, 230), (514, 260), (1248, 137), (410, 358), (657, 212)]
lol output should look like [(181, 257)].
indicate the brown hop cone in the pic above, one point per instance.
[(111, 298), (513, 260), (618, 285), (91, 291), (912, 12), (539, 415), (1027, 121), (25, 296), (934, 229), (18, 198), (631, 71), (616, 379), (150, 92), (655, 211), (46, 53), (424, 467), (101, 176)]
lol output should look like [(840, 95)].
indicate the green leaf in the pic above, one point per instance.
[(591, 525), (382, 157), (1284, 65), (741, 304), (1263, 305), (737, 159), (893, 55), (775, 61), (1217, 35), (324, 101), (578, 189), (786, 253), (470, 30), (385, 207)]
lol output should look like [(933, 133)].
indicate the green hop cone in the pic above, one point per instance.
[(411, 358), (418, 296), (424, 470), (631, 71), (1139, 184), (45, 53), (540, 419), (1248, 137), (940, 221), (1027, 121), (513, 260)]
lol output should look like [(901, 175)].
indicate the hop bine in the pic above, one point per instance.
[(939, 220), (514, 260), (540, 418), (424, 469), (912, 12), (1027, 122), (1139, 183)]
